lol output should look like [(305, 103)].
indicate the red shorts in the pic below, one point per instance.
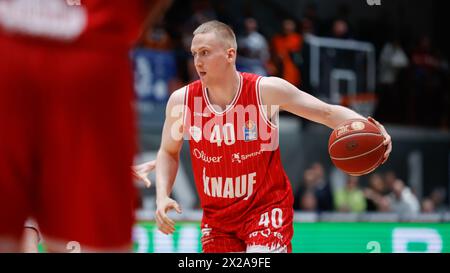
[(67, 141), (268, 231)]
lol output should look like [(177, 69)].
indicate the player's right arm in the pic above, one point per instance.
[(168, 160)]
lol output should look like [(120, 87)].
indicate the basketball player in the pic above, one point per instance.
[(245, 195), (66, 120)]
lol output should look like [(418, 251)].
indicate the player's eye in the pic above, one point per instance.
[(205, 53)]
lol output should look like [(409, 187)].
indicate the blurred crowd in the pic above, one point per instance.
[(413, 79), (384, 192)]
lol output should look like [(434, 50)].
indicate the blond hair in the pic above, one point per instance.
[(222, 31)]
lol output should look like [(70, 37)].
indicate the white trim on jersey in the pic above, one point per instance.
[(230, 106), (262, 110), (185, 106)]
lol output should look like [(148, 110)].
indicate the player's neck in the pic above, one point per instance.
[(223, 93)]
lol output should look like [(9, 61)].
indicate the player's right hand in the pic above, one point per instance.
[(387, 139), (164, 223)]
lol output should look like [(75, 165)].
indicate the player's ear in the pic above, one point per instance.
[(231, 54)]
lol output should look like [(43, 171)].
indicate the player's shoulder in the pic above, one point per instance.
[(274, 89), (178, 95), (271, 82), (177, 98)]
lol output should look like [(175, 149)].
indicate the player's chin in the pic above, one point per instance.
[(210, 78)]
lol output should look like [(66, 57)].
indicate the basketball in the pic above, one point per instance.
[(356, 147)]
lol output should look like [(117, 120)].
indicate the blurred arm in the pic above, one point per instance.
[(157, 10), (30, 240)]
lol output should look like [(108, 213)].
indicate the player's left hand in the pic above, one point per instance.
[(141, 172), (387, 138)]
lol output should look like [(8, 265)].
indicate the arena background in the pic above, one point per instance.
[(387, 59)]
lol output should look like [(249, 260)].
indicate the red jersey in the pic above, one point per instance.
[(65, 99), (85, 23), (235, 155)]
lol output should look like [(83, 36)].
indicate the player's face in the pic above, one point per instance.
[(211, 57)]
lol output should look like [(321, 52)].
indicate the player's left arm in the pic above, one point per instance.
[(280, 93)]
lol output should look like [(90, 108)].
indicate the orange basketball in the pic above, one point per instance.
[(356, 147)]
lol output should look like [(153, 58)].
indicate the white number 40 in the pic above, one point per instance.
[(227, 135), (277, 218)]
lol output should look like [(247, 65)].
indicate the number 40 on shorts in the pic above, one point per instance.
[(275, 218)]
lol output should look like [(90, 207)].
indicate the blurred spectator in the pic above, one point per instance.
[(286, 57), (374, 194), (384, 204), (308, 202), (202, 11), (253, 44), (389, 179), (306, 185), (392, 60), (310, 21), (322, 188), (156, 38), (438, 196), (340, 29), (338, 178), (427, 206), (426, 98), (307, 27), (350, 198), (253, 49), (402, 200), (314, 181), (423, 56)]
